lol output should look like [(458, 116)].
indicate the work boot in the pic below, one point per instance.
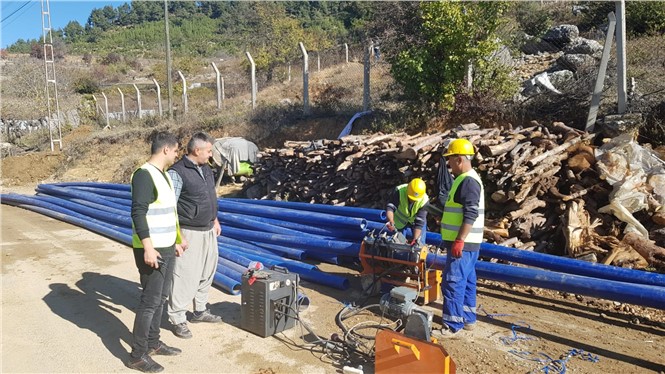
[(206, 316), (182, 331), (164, 350), (445, 332), (145, 364), (469, 326)]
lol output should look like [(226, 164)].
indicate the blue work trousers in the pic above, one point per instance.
[(459, 290)]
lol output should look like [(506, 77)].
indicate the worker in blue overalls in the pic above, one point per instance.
[(406, 209), (462, 226)]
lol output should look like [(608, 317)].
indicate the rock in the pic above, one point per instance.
[(585, 47), (617, 124), (561, 35), (561, 78), (534, 46), (576, 62)]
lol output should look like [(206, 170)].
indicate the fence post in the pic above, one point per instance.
[(138, 101), (223, 96), (251, 61), (106, 108), (219, 88), (96, 105), (184, 91), (368, 51), (122, 101), (305, 79), (159, 96), (600, 78), (289, 72), (346, 52), (621, 55), (469, 75)]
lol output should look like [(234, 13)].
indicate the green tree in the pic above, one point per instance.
[(642, 17), (74, 32), (276, 38), (449, 35)]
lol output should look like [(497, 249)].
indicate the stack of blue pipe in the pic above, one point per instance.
[(288, 233)]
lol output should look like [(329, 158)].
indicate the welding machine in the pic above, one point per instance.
[(268, 301)]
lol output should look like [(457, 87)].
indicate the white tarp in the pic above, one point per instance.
[(232, 151), (637, 176)]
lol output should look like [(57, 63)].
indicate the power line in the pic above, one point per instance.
[(14, 12)]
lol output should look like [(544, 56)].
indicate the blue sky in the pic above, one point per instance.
[(22, 19)]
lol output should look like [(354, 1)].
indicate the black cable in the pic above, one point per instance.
[(14, 12)]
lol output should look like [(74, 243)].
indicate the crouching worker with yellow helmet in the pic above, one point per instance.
[(461, 233), (405, 209)]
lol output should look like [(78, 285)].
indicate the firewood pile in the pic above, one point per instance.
[(542, 188)]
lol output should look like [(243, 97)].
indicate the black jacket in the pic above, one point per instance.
[(197, 204)]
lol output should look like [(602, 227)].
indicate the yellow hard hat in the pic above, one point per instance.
[(416, 189), (460, 147)]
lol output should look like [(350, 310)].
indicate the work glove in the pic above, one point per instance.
[(413, 242), (458, 246), (390, 226)]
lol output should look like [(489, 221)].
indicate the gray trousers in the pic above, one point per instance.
[(193, 274)]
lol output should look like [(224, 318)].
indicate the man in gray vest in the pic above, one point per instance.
[(194, 186)]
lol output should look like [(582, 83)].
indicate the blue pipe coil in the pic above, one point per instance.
[(123, 220), (223, 262), (307, 243), (227, 284), (229, 272), (246, 249), (245, 246), (638, 294), (110, 186), (282, 251), (311, 218), (127, 195), (26, 201), (571, 266), (248, 223), (87, 224), (316, 230), (86, 203), (366, 213), (66, 192)]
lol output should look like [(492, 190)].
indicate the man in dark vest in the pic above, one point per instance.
[(194, 186)]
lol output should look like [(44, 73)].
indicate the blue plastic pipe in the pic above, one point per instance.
[(26, 202), (333, 232), (223, 262), (571, 266), (110, 186), (281, 250), (227, 284), (638, 294), (123, 220), (366, 213), (67, 192), (337, 247), (127, 195), (310, 218)]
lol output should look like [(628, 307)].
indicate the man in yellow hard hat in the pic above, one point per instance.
[(406, 209), (462, 226)]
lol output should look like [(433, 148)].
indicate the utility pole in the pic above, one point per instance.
[(51, 88), (169, 83)]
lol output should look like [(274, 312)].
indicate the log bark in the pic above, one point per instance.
[(654, 254)]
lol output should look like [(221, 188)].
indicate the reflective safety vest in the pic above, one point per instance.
[(453, 216), (162, 213), (403, 216)]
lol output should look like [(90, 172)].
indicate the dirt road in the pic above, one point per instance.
[(68, 300)]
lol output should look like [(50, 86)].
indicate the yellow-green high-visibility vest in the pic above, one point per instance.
[(162, 215), (404, 216), (453, 216)]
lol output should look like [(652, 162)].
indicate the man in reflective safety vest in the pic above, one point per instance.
[(405, 209), (156, 241), (462, 226)]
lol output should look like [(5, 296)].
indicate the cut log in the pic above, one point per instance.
[(654, 254)]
